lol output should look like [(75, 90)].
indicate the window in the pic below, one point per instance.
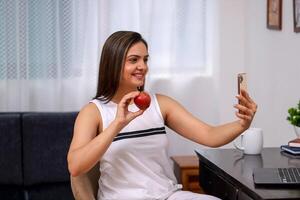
[(174, 29)]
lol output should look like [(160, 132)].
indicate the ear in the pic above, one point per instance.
[(140, 88)]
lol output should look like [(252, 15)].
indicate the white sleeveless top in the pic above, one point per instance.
[(136, 165)]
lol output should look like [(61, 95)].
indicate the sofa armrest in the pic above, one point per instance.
[(85, 186)]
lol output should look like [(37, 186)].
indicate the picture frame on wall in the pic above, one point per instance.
[(296, 8), (274, 14)]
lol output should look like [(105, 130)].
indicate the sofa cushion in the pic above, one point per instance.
[(12, 193), (10, 149), (46, 140), (55, 191)]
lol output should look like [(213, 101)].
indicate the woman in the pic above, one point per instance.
[(131, 144)]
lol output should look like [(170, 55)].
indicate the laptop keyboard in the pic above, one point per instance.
[(289, 175)]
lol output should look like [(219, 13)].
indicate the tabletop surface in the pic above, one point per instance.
[(238, 169)]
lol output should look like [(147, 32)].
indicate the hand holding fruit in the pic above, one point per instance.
[(124, 115)]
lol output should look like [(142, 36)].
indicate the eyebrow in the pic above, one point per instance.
[(133, 55)]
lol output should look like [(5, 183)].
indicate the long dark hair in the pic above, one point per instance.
[(112, 61)]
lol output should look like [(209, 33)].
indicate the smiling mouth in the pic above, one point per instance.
[(139, 76)]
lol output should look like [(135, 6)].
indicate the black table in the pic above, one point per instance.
[(227, 173)]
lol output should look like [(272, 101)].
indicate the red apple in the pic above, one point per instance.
[(142, 101)]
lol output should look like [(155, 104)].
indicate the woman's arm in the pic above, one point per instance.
[(181, 121), (87, 147)]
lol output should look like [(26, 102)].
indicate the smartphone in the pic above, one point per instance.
[(242, 82)]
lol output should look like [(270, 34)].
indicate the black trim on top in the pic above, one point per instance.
[(140, 133)]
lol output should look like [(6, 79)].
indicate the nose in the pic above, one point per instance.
[(142, 66)]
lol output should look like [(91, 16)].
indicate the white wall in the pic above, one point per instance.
[(268, 57), (272, 62)]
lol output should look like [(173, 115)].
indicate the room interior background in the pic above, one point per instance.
[(195, 57)]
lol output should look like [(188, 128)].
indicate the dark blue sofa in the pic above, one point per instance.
[(33, 155)]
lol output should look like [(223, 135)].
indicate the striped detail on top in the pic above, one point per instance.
[(141, 133)]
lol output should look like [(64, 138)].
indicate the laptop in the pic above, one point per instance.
[(276, 176)]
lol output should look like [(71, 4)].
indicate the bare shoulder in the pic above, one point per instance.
[(87, 125), (90, 112), (165, 100), (167, 104)]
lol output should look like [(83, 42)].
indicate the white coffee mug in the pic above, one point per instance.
[(251, 141)]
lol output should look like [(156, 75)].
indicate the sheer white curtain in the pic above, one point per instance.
[(174, 29), (49, 49), (48, 54)]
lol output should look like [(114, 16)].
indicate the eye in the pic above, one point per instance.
[(133, 60), (146, 60)]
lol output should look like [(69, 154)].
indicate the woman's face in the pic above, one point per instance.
[(135, 67)]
